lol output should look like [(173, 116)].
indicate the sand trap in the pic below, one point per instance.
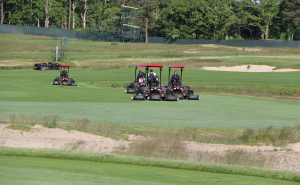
[(285, 70), (55, 138), (253, 68)]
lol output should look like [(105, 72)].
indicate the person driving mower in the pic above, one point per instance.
[(175, 79), (141, 75), (153, 79), (64, 74)]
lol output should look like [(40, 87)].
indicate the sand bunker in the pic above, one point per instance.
[(55, 138), (253, 68)]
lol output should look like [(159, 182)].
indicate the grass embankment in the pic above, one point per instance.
[(141, 161)]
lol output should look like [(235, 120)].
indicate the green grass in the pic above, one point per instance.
[(16, 170), (29, 166), (30, 92)]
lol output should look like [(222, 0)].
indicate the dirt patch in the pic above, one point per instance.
[(53, 138)]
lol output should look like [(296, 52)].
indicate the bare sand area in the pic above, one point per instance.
[(55, 138), (252, 68)]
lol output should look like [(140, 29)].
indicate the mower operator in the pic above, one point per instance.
[(64, 74), (152, 78), (175, 79), (141, 75)]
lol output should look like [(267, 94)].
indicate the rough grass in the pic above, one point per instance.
[(14, 47), (235, 157), (160, 136), (142, 161)]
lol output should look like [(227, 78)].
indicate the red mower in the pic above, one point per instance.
[(153, 90), (175, 85), (64, 77), (138, 81)]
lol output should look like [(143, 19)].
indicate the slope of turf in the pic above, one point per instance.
[(25, 170)]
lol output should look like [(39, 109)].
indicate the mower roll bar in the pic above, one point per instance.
[(68, 66), (175, 66), (147, 70), (136, 66)]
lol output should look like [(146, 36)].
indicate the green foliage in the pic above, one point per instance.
[(205, 19)]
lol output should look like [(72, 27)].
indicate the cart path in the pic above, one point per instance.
[(55, 138)]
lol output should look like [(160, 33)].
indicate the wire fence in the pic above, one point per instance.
[(114, 34)]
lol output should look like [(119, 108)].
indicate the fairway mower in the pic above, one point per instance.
[(175, 86), (47, 66), (152, 90), (64, 78), (132, 87)]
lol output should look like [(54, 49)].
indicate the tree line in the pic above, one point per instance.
[(191, 19)]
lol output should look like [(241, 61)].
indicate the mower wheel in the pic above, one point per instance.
[(55, 83), (180, 96), (73, 84), (139, 97), (130, 91), (155, 98), (171, 98), (193, 97), (65, 83)]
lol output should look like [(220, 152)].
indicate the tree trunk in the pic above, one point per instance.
[(292, 36), (105, 2), (262, 35), (38, 22), (84, 14), (62, 23), (46, 15), (69, 26), (250, 34), (146, 31), (289, 38), (267, 32), (2, 18), (74, 6), (23, 3)]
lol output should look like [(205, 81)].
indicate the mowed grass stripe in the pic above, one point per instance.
[(212, 111), (30, 92)]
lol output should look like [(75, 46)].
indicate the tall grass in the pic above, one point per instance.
[(49, 121), (235, 157), (166, 145), (270, 135), (154, 162)]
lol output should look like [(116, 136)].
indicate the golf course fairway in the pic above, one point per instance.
[(31, 93)]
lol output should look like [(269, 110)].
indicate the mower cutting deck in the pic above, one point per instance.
[(64, 79)]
